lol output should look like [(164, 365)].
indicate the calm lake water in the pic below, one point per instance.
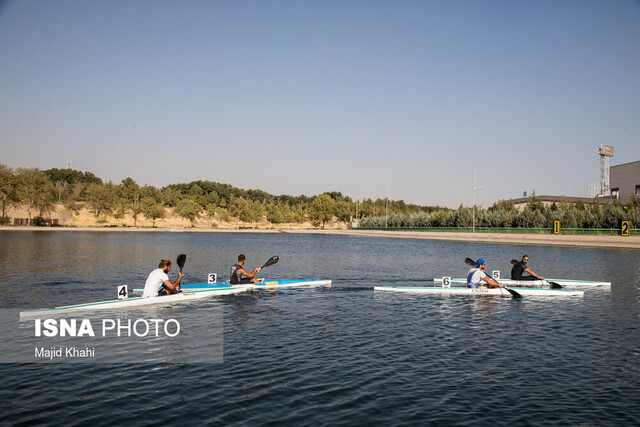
[(343, 355)]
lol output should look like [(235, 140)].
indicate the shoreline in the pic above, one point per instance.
[(611, 242)]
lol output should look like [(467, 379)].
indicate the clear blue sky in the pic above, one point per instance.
[(302, 97)]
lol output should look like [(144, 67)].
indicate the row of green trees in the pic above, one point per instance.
[(535, 215), (39, 190)]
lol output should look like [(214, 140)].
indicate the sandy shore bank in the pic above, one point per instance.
[(615, 242)]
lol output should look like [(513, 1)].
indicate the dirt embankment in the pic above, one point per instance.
[(64, 217), (85, 220)]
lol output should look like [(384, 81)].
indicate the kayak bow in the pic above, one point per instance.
[(132, 302)]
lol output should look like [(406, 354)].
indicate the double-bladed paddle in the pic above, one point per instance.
[(513, 293), (274, 259), (271, 261), (182, 258), (470, 262), (552, 285)]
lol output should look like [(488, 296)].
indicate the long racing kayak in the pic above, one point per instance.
[(534, 283), (132, 302), (479, 291), (266, 283)]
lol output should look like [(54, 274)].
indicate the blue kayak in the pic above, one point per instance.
[(266, 283)]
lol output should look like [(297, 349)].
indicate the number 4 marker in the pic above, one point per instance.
[(122, 292)]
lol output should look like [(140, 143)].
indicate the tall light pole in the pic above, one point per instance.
[(386, 207), (473, 230)]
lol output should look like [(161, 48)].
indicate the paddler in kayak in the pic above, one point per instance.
[(520, 267), (159, 278), (477, 275), (239, 275)]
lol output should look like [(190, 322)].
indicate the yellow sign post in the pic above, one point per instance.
[(556, 227), (625, 228)]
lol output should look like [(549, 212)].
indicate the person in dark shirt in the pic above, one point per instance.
[(520, 267), (239, 275)]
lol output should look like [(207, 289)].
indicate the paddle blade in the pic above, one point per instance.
[(554, 285), (513, 293), (470, 262), (182, 258), (271, 261)]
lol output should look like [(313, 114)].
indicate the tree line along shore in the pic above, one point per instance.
[(30, 196)]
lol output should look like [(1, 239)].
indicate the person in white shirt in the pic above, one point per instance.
[(477, 275), (159, 278)]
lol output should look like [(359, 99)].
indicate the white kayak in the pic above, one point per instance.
[(133, 302), (479, 291), (533, 283), (265, 283)]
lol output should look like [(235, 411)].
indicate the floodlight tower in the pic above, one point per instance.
[(386, 208), (605, 152), (68, 163)]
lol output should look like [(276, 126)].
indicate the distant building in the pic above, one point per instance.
[(521, 202), (625, 180)]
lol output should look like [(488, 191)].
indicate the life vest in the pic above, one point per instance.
[(474, 278), (234, 278), (517, 270)]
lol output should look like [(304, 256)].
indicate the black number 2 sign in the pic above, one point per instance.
[(625, 228)]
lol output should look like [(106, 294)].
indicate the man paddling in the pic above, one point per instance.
[(520, 267), (477, 275), (239, 275), (159, 278)]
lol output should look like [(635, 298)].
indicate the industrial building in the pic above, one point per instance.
[(618, 182), (625, 180)]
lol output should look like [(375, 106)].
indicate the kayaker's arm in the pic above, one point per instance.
[(527, 270), (173, 287), (492, 283), (244, 272)]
